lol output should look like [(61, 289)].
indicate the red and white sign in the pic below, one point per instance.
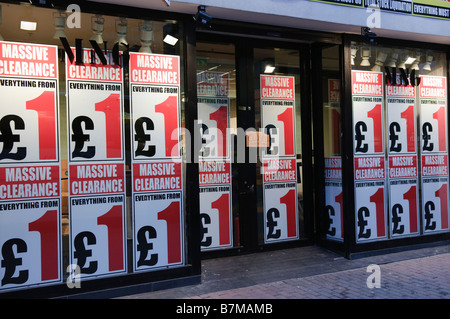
[(277, 87), (90, 179), (333, 168), (280, 212), (158, 231), (157, 176), (334, 90), (216, 217), (401, 127), (433, 87), (156, 122), (369, 168), (213, 84), (28, 182), (94, 71), (368, 124), (214, 172), (154, 69), (95, 115), (97, 231), (433, 121), (435, 216), (334, 209), (279, 170), (403, 166), (333, 197), (214, 119), (434, 165), (367, 83), (277, 114), (30, 193), (403, 207), (28, 60)]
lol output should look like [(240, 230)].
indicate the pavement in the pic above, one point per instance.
[(313, 272)]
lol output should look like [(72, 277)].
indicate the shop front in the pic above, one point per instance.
[(135, 142)]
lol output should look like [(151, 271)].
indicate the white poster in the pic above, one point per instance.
[(158, 230), (30, 192)]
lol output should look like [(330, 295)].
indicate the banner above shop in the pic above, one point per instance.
[(426, 8)]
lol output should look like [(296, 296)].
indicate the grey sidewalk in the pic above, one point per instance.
[(315, 273)]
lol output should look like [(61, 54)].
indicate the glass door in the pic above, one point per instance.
[(216, 93), (278, 118), (250, 157)]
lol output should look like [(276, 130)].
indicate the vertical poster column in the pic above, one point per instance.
[(333, 165), (402, 160), (158, 221), (30, 193), (97, 213), (214, 160), (434, 156), (369, 157), (279, 159)]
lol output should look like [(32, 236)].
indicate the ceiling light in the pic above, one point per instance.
[(170, 40), (402, 60), (365, 55), (60, 23), (379, 62), (415, 65), (1, 38), (97, 25), (410, 60), (28, 25), (393, 60), (354, 50), (146, 36), (269, 69), (428, 60), (121, 31)]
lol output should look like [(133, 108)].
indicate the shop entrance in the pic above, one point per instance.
[(252, 159)]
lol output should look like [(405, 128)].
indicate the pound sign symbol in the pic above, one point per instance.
[(359, 137), (8, 138), (10, 262), (273, 214), (79, 137), (142, 138), (144, 246)]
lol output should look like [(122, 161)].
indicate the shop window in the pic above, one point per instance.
[(400, 146), (101, 143)]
